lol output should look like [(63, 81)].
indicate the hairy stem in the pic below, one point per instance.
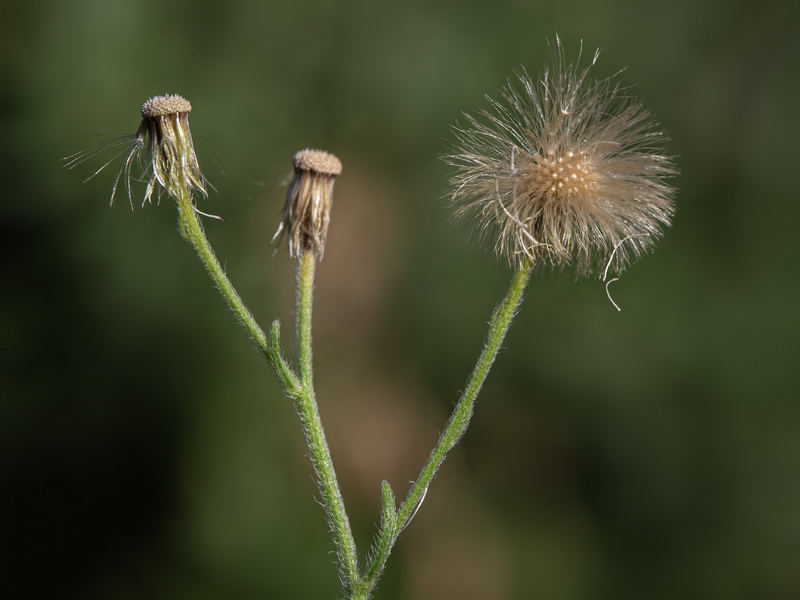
[(298, 387), (192, 231), (308, 411), (458, 422), (306, 267)]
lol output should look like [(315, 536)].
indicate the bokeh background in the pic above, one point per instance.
[(146, 450)]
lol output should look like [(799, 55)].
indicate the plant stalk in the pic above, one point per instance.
[(192, 231), (501, 320), (307, 409)]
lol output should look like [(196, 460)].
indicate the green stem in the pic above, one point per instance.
[(192, 231), (306, 267), (308, 411), (298, 387), (459, 420)]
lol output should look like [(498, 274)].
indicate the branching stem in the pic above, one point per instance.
[(299, 386)]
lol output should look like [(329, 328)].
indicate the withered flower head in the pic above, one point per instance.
[(162, 147), (568, 171), (307, 210), (172, 162)]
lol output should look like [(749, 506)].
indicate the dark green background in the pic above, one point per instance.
[(147, 452)]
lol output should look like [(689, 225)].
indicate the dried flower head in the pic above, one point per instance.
[(568, 171), (162, 147), (307, 210), (172, 162)]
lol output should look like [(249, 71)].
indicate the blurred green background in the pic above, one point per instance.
[(146, 450)]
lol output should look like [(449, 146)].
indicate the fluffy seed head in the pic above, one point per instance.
[(307, 210), (566, 171)]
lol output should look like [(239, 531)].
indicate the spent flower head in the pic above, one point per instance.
[(162, 148), (307, 210), (567, 171)]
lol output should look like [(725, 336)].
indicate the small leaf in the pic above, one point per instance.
[(289, 380), (388, 508)]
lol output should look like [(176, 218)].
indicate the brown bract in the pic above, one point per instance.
[(171, 159), (162, 148), (306, 212)]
